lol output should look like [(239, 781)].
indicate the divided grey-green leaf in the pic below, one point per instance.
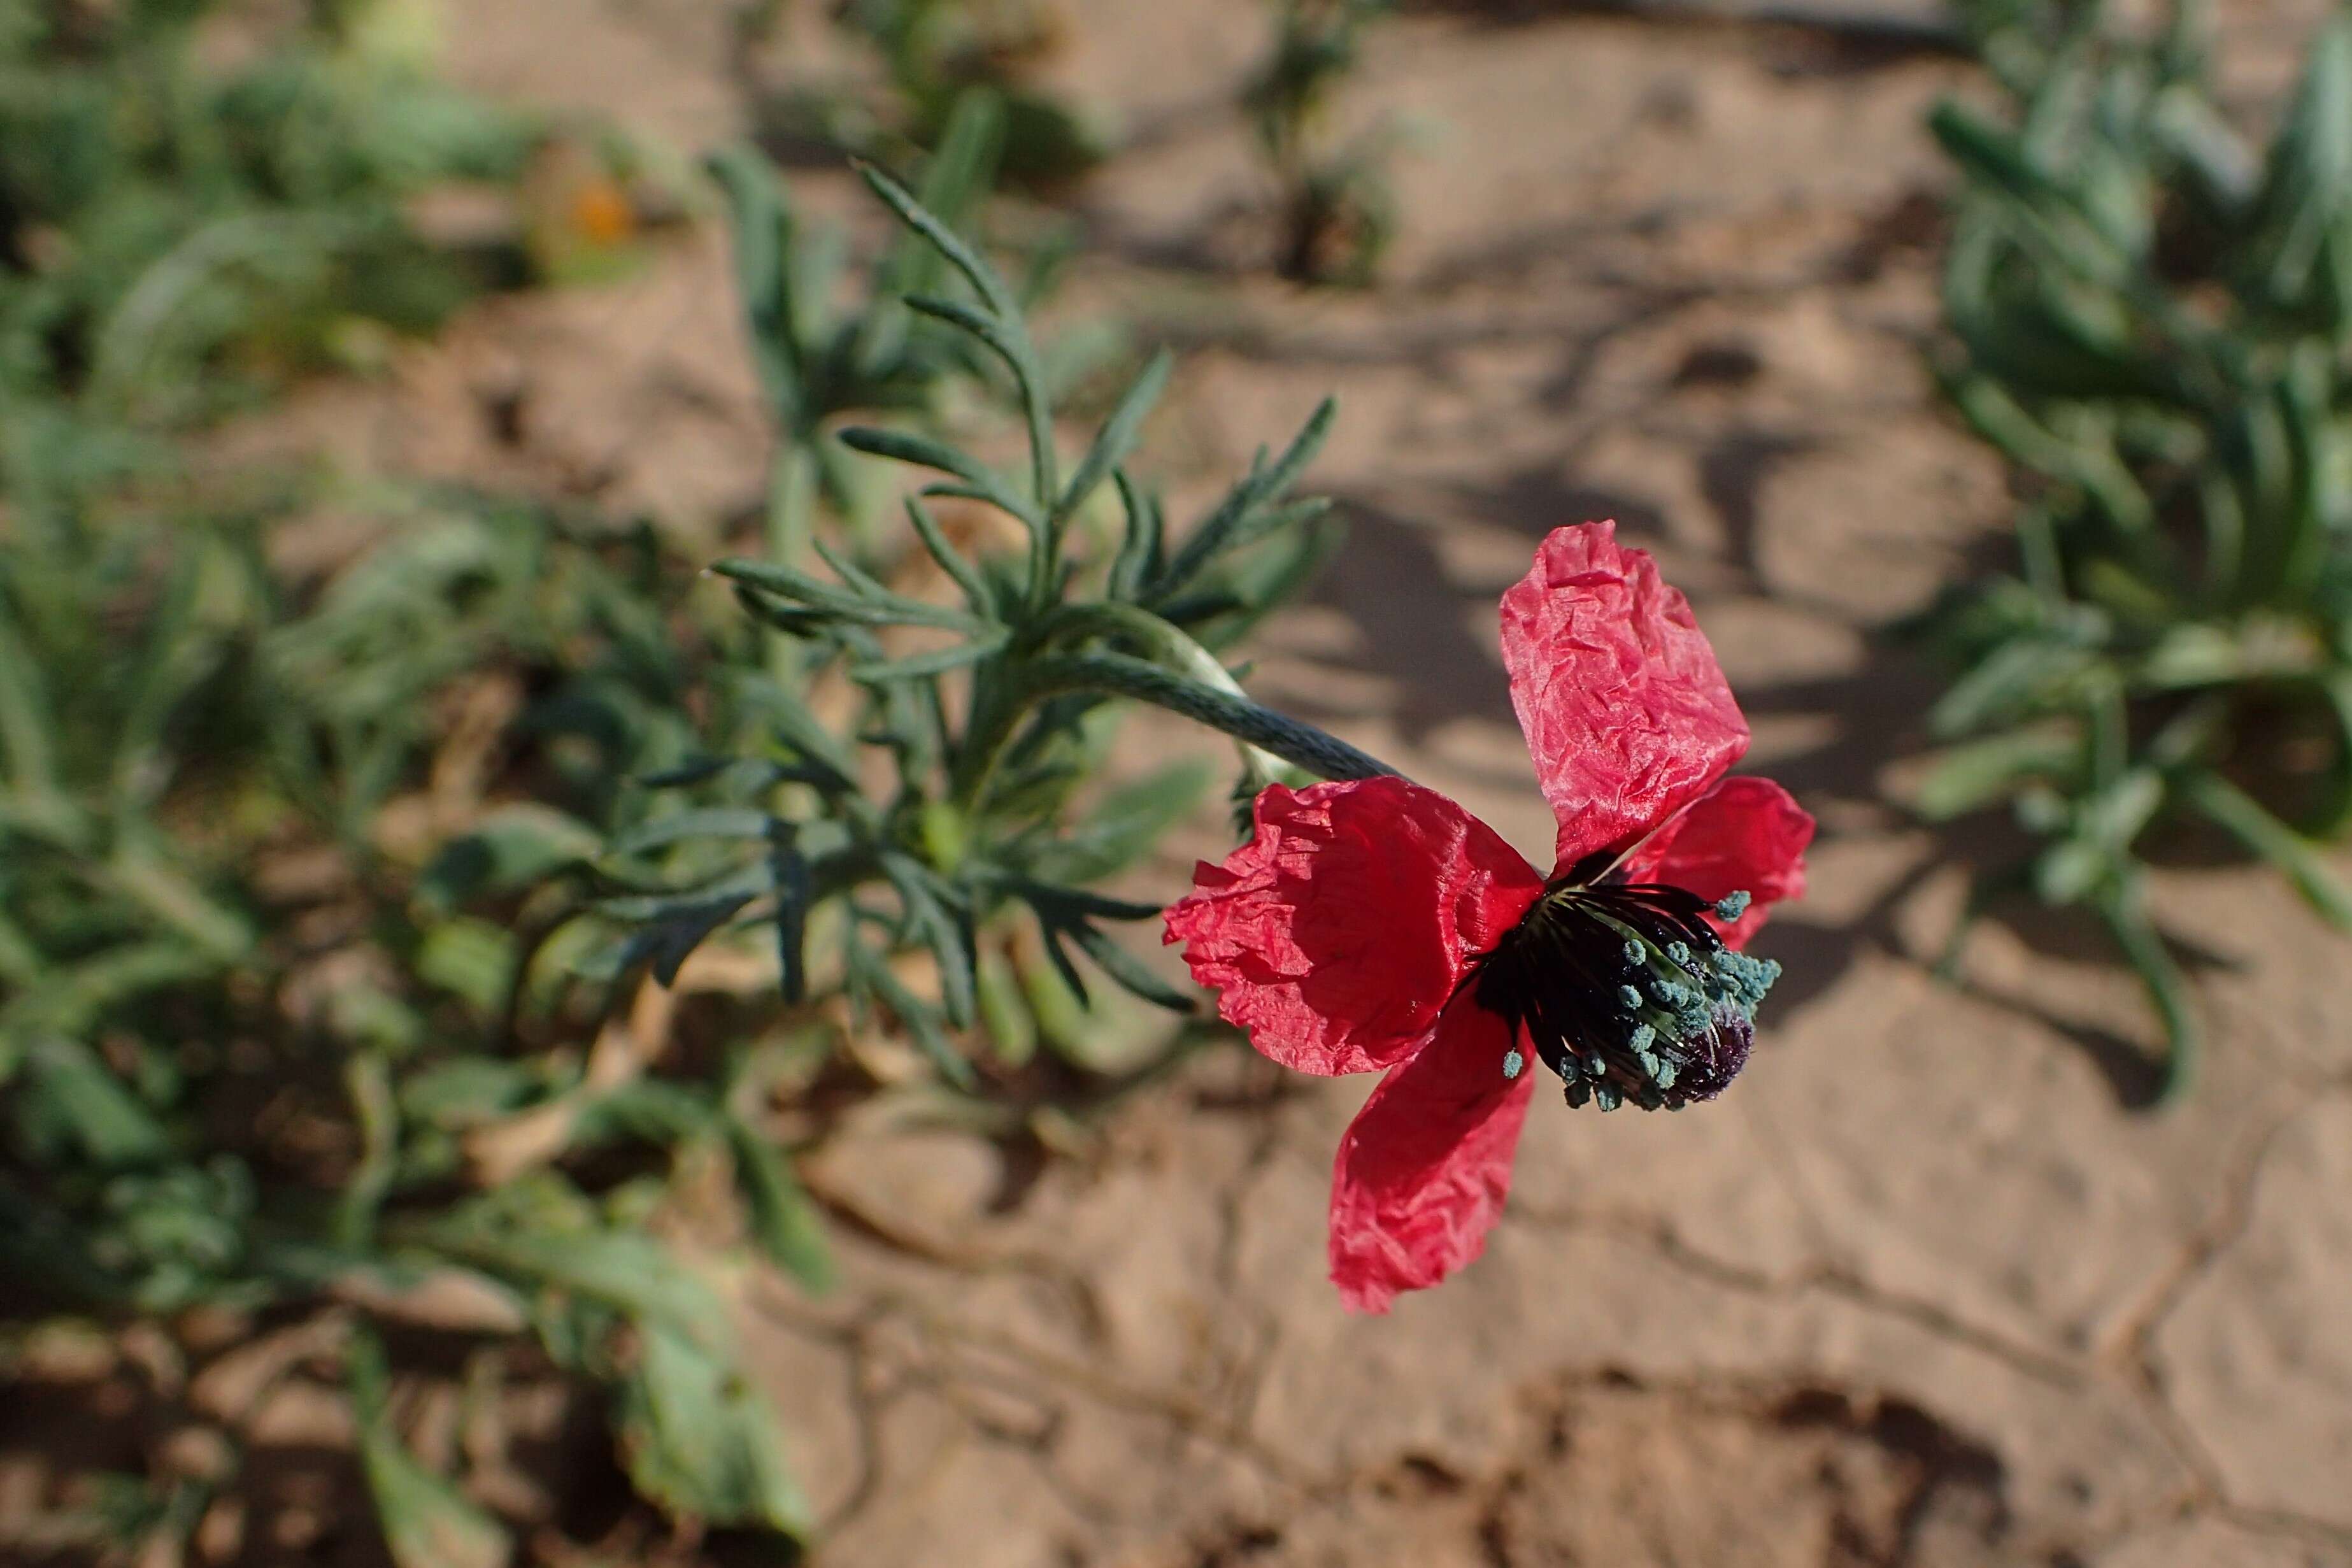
[(1119, 433)]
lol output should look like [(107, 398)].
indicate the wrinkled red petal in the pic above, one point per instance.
[(1425, 1167), (1747, 834), (1337, 933), (1624, 708)]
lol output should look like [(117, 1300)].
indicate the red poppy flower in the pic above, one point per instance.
[(1376, 924)]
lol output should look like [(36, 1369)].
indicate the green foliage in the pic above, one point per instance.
[(936, 53), (350, 835), (1339, 215), (987, 720), (823, 359), (820, 359), (704, 1442), (427, 1523), (2151, 320), (176, 234), (187, 729), (286, 851)]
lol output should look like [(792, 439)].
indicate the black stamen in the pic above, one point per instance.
[(1624, 991)]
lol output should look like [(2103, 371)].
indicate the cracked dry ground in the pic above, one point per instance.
[(1924, 1288)]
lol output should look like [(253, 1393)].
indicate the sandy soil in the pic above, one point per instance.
[(1928, 1288)]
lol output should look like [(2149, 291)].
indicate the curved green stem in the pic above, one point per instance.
[(1161, 643), (1121, 674), (1178, 674)]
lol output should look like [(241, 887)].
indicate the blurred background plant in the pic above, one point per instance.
[(929, 53), (355, 833), (821, 357), (178, 233), (258, 1013), (1337, 211), (2149, 316)]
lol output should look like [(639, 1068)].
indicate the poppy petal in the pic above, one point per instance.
[(1425, 1167), (1748, 835), (1624, 708), (1337, 933)]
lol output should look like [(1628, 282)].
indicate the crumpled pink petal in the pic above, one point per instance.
[(1746, 835), (1624, 708), (1337, 933), (1425, 1167)]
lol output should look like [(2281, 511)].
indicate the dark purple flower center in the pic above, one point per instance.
[(1625, 991)]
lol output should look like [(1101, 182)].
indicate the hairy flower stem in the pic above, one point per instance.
[(1173, 672), (1121, 674), (1164, 645)]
